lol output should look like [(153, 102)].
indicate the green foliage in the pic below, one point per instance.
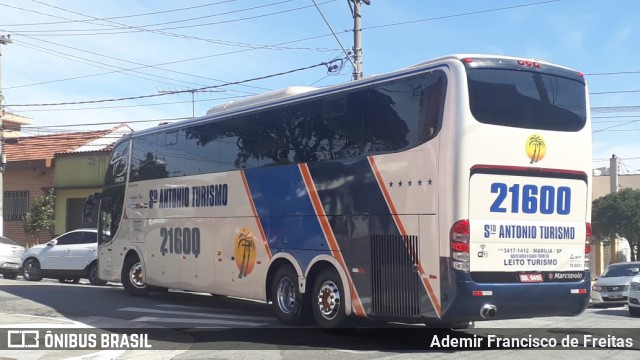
[(41, 215), (618, 214)]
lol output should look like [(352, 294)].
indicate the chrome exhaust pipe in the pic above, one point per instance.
[(488, 311)]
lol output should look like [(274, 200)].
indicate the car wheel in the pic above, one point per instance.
[(73, 280), (327, 300), (133, 278), (288, 303), (633, 311), (31, 270), (10, 276), (93, 275)]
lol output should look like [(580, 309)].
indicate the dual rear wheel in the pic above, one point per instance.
[(325, 302)]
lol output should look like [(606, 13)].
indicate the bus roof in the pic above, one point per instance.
[(291, 94)]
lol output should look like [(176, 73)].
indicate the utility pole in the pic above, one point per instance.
[(613, 174), (4, 40), (357, 38)]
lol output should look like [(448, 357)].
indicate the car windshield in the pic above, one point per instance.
[(618, 271), (4, 240)]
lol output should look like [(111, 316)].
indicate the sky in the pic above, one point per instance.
[(92, 53)]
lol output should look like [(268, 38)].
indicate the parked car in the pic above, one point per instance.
[(634, 296), (68, 258), (612, 288), (10, 253)]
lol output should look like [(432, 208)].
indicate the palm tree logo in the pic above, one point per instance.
[(536, 148), (245, 252)]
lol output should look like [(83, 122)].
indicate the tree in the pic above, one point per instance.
[(618, 214), (40, 216)]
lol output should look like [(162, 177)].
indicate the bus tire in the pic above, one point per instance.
[(132, 279), (288, 302), (327, 300)]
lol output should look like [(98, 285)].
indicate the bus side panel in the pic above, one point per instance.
[(376, 253), (286, 213)]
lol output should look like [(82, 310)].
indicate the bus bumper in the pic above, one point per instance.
[(476, 302)]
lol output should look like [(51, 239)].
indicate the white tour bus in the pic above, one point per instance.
[(452, 191)]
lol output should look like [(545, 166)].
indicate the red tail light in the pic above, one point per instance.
[(587, 247), (459, 238)]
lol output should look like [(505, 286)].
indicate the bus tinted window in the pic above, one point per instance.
[(118, 165), (387, 117), (404, 113), (526, 99)]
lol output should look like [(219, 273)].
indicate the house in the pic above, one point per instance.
[(73, 164)]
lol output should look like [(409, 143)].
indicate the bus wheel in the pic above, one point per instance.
[(132, 278), (287, 301), (327, 300)]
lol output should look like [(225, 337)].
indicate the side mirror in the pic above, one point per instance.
[(52, 242)]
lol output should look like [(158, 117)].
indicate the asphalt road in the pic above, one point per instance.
[(197, 326)]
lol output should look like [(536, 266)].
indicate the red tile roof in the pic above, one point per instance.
[(45, 146)]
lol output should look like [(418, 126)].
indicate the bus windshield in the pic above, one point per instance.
[(523, 99)]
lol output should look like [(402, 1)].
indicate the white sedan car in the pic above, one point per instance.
[(68, 258), (10, 253), (633, 299)]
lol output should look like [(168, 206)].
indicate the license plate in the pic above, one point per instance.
[(615, 296), (527, 278)]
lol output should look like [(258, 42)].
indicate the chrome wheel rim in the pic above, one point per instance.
[(329, 301), (135, 275), (286, 295)]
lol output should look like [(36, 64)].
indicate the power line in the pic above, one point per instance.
[(278, 44), (460, 15), (105, 123), (97, 64), (120, 17), (117, 30), (326, 64), (165, 33), (133, 106)]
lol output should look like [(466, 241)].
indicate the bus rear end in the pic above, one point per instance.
[(519, 242)]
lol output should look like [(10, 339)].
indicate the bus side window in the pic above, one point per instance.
[(432, 106)]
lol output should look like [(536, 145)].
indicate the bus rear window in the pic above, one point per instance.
[(524, 99)]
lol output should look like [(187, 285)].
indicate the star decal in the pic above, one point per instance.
[(410, 183)]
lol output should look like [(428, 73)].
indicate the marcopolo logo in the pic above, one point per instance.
[(535, 148), (567, 276)]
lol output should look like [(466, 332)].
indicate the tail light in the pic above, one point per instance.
[(459, 239), (587, 248)]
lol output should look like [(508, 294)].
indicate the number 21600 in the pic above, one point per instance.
[(530, 199)]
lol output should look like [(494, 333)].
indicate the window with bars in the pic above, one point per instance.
[(16, 204)]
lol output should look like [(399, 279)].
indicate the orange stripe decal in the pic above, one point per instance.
[(403, 232), (328, 233), (255, 214)]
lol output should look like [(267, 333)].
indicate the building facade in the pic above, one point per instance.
[(72, 164)]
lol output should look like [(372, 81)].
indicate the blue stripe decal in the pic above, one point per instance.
[(286, 212)]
